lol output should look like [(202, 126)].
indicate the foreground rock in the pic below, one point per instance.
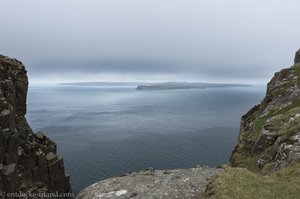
[(179, 183), (28, 161)]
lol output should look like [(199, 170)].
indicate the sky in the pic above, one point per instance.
[(230, 41)]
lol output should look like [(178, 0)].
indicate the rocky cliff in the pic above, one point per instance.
[(28, 161), (270, 131), (266, 160)]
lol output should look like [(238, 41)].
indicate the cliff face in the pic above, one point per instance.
[(269, 137), (28, 161), (266, 160)]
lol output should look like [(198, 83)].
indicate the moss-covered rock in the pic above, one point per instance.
[(268, 127), (265, 162)]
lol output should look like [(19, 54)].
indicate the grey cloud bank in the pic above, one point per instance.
[(113, 40)]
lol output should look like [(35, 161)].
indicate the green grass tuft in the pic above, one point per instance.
[(243, 184)]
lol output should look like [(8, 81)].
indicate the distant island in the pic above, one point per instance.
[(158, 86), (100, 83), (186, 85)]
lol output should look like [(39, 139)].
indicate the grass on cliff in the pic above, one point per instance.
[(291, 82), (259, 122), (297, 73), (243, 157), (251, 182), (243, 184)]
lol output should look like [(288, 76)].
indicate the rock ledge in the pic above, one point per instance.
[(152, 184)]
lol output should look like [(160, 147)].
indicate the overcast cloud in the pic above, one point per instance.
[(151, 40)]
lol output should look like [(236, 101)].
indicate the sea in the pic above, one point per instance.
[(106, 131)]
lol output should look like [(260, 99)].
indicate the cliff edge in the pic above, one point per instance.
[(28, 161), (270, 132), (266, 160), (151, 184)]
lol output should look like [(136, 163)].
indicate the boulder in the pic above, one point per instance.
[(40, 135), (51, 157), (265, 140)]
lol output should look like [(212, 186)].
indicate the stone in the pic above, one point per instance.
[(20, 151), (265, 140), (5, 113), (296, 138), (40, 135), (295, 155), (261, 163), (51, 157), (151, 169), (9, 170), (121, 192), (134, 194)]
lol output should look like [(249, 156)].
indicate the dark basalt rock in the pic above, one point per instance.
[(28, 161)]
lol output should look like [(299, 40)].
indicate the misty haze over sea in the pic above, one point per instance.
[(122, 86), (105, 131)]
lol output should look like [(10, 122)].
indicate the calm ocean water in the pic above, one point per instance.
[(106, 131)]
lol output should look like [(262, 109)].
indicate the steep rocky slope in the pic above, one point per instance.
[(266, 161), (270, 132), (28, 161)]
